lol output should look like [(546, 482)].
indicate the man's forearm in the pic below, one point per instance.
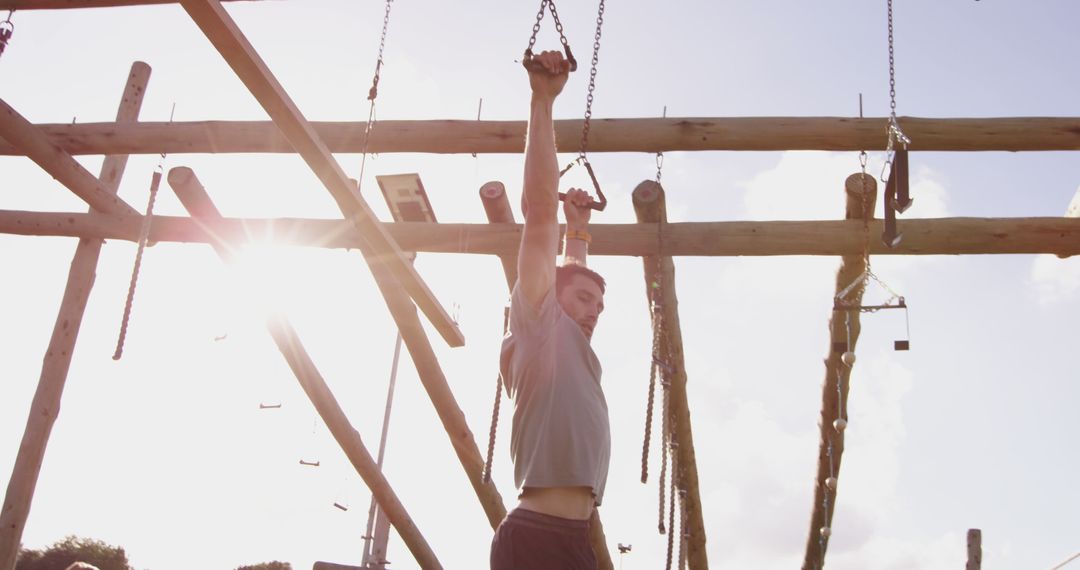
[(541, 186)]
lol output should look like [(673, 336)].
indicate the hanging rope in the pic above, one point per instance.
[(495, 409), (649, 406), (144, 235), (7, 29), (671, 507)]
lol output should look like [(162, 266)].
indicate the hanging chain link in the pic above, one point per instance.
[(550, 5), (895, 133), (592, 80), (373, 93), (660, 156)]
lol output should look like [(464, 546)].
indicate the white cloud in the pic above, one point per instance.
[(1055, 280)]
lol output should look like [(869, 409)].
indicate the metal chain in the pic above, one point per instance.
[(7, 29), (592, 80), (894, 131), (660, 156), (373, 93), (892, 68), (865, 198), (549, 4)]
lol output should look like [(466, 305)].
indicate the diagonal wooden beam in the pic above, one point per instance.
[(22, 134), (941, 236), (844, 328), (198, 203), (498, 211), (606, 135), (412, 332), (650, 207), (380, 248), (45, 408)]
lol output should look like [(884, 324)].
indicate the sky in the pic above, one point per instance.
[(167, 453)]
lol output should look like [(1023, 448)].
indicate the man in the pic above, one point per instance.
[(560, 439)]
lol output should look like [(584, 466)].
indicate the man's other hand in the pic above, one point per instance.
[(576, 209)]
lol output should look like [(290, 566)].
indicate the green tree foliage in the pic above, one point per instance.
[(74, 549), (275, 565)]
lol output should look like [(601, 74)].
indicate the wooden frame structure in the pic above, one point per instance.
[(52, 147)]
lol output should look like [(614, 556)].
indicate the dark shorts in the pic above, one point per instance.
[(527, 540)]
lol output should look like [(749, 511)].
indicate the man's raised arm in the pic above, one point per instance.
[(540, 200)]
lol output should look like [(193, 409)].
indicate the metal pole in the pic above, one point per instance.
[(367, 562)]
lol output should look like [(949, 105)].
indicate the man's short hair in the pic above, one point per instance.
[(565, 273)]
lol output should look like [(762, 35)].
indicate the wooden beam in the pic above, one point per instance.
[(606, 135), (498, 211), (195, 199), (184, 181), (379, 248), (45, 407), (31, 142), (1073, 211), (974, 549), (844, 328), (63, 4), (940, 236), (650, 207)]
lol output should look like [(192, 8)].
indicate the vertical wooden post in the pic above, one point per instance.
[(46, 404), (974, 549), (650, 207), (861, 192), (195, 199), (498, 210)]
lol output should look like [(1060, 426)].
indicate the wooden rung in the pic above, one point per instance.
[(942, 236), (606, 135)]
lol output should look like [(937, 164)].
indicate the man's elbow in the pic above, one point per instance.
[(539, 209)]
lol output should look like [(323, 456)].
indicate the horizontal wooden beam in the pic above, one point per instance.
[(938, 236), (605, 135), (62, 4), (32, 143), (378, 247)]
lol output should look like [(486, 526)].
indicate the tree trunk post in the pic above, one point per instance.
[(45, 407)]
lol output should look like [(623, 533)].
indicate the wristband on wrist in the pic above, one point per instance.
[(580, 235)]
